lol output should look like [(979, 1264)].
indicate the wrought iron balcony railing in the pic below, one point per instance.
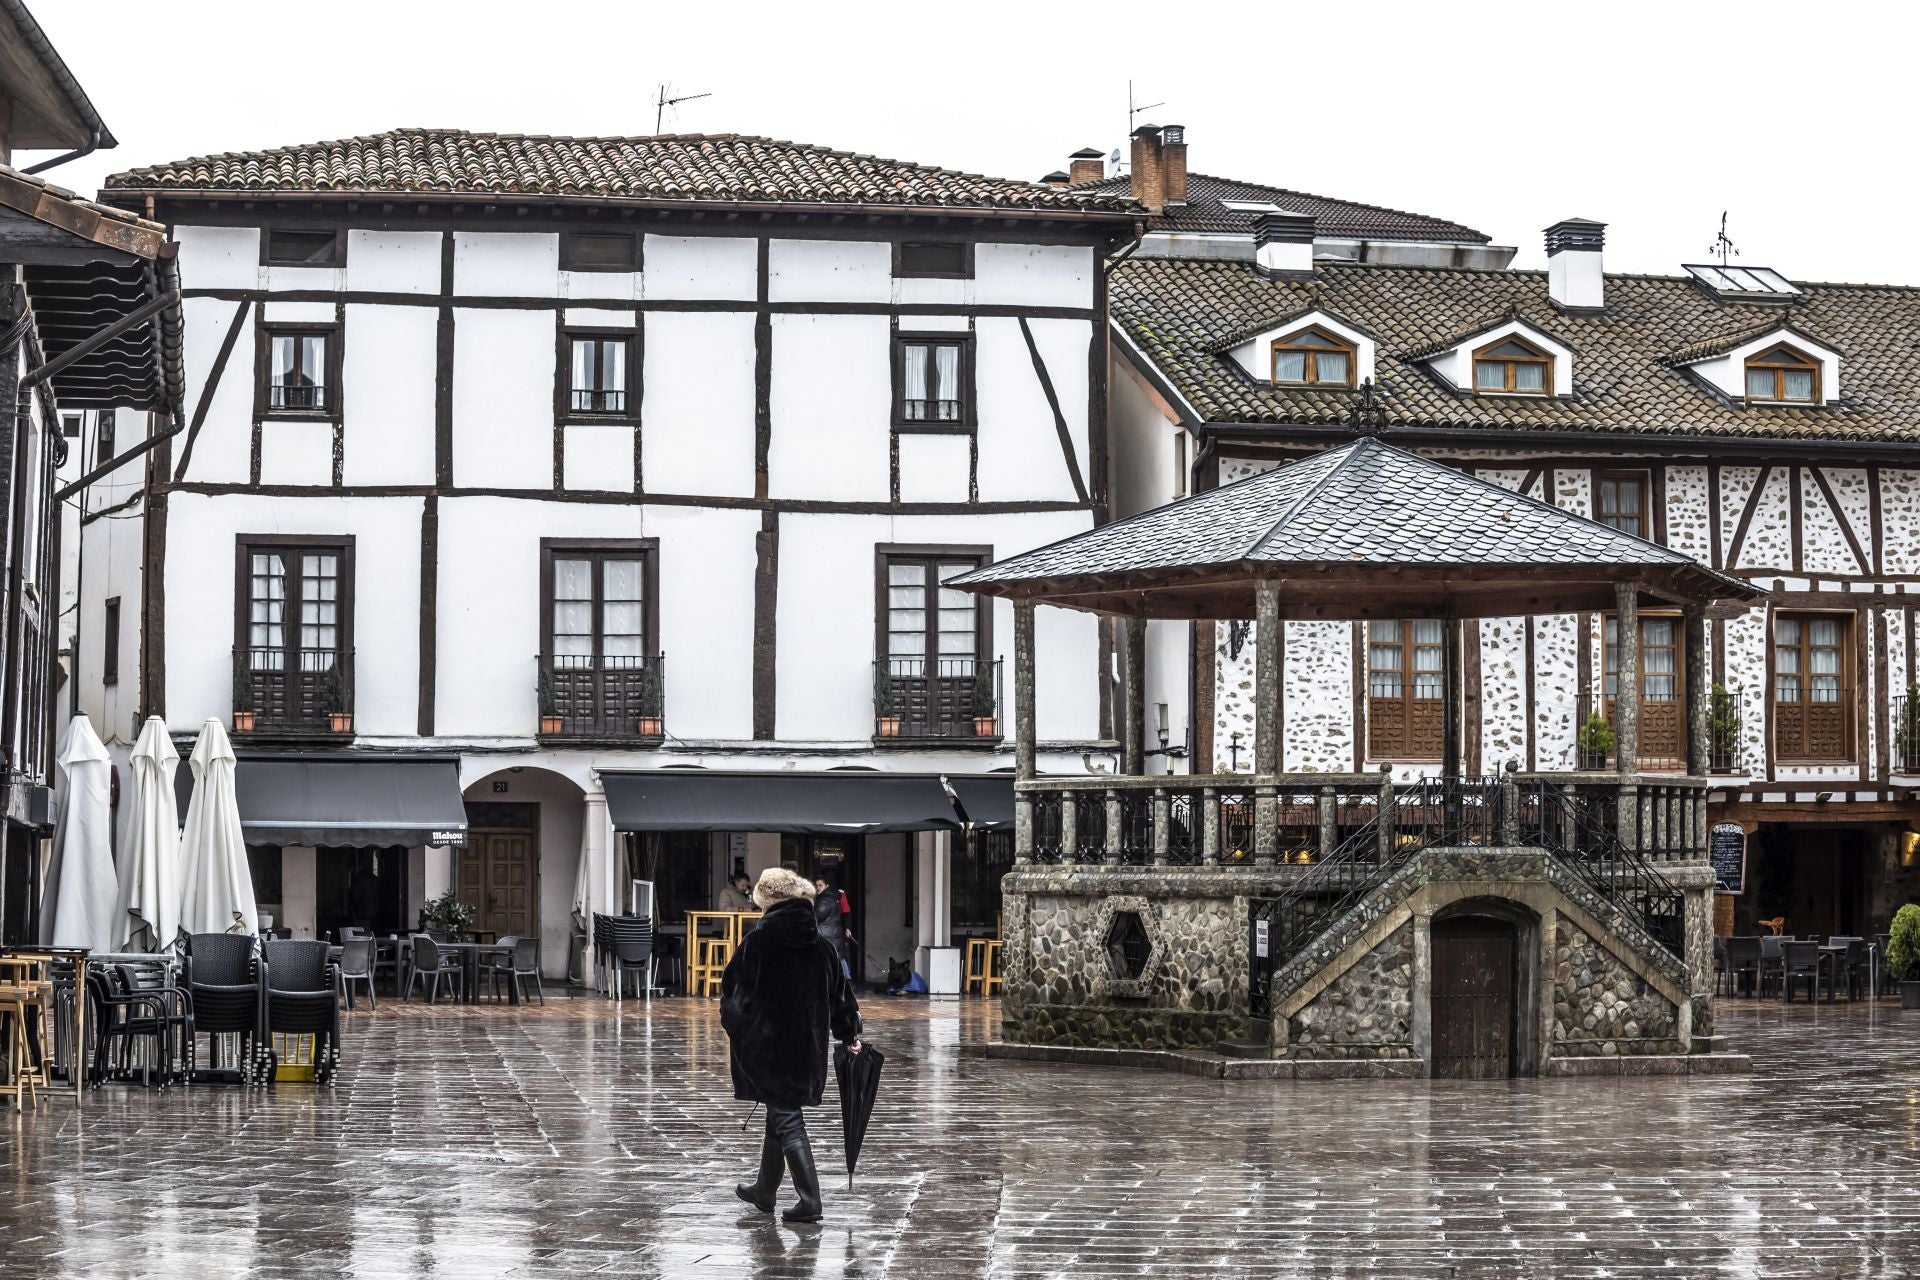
[(937, 698), (608, 698), (279, 690), (1905, 726)]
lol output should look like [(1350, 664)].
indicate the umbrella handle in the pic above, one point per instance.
[(749, 1120)]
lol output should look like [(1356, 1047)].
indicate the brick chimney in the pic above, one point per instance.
[(1283, 242), (1173, 161), (1148, 174), (1574, 278), (1057, 178), (1084, 166)]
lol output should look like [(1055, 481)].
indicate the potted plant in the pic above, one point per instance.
[(1595, 741), (1903, 954), (551, 721), (336, 699), (243, 713), (1906, 737), (448, 915), (886, 715), (985, 724), (652, 724), (1723, 729)]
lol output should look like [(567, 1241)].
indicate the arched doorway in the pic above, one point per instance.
[(1481, 987)]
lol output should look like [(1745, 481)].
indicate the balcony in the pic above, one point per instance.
[(279, 693), (1906, 731), (601, 700), (940, 700)]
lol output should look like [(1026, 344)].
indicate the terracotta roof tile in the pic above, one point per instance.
[(1338, 219)]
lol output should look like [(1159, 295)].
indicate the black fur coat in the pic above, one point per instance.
[(782, 993)]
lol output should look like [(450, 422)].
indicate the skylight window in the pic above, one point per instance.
[(1251, 206), (1744, 282)]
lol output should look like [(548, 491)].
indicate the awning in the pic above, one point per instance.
[(987, 802), (838, 803), (353, 801)]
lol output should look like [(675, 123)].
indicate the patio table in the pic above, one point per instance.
[(470, 953)]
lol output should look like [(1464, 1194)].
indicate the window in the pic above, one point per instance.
[(103, 437), (293, 631), (933, 379), (1783, 374), (1621, 502), (1405, 686), (599, 251), (302, 371), (602, 674), (1812, 703), (934, 673), (597, 378), (282, 248), (70, 425), (951, 260), (1513, 367), (110, 643), (1313, 358), (1659, 732)]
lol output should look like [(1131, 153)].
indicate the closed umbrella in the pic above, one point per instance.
[(76, 908), (147, 912), (859, 1078), (216, 889)]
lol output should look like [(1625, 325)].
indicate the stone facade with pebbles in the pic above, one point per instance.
[(1601, 1007), (1367, 1012)]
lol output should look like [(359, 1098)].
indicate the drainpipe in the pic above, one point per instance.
[(93, 144)]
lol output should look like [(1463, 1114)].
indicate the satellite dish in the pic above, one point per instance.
[(1115, 157)]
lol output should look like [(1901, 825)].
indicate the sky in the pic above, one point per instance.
[(1794, 120)]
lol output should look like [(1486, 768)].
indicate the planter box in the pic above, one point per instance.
[(340, 721), (550, 725), (986, 727), (243, 721), (888, 726), (1910, 995), (652, 726)]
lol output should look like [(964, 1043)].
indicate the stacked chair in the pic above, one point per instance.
[(229, 994), (302, 1000), (142, 1024), (621, 943)]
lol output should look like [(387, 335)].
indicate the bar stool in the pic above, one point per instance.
[(19, 992), (711, 965), (976, 965), (991, 982)]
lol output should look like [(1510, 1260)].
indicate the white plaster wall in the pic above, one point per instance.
[(299, 889), (1688, 524), (1033, 275), (697, 419), (111, 565), (296, 452), (1729, 372), (824, 681), (393, 261), (1823, 547), (1746, 671), (511, 264), (1900, 520), (219, 257), (289, 279), (603, 285), (1850, 488), (832, 380), (1317, 686), (723, 267), (1020, 454), (1769, 543), (388, 374), (1556, 663), (597, 456), (1573, 490), (503, 399), (278, 312), (562, 812), (223, 449), (1255, 354), (201, 535), (1141, 449), (707, 562), (1503, 692), (1456, 366), (829, 271), (1168, 648), (935, 468)]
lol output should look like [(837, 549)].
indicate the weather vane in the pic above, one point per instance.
[(1368, 415), (1721, 244)]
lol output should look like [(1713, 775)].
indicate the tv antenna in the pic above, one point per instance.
[(1135, 110), (663, 102), (1721, 244)]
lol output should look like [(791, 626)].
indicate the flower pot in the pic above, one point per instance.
[(1910, 995), (986, 726), (1593, 761), (652, 727), (341, 721), (243, 721), (889, 726), (552, 724)]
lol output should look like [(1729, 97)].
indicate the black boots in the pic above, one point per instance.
[(760, 1192), (789, 1129)]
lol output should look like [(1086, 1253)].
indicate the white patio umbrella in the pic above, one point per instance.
[(147, 912), (216, 888), (76, 908)]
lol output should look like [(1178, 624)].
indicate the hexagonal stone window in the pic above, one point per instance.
[(1128, 946)]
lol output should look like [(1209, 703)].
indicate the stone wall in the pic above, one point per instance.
[(1600, 1007), (1367, 1012)]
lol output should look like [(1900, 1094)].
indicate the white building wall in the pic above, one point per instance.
[(832, 380), (503, 380), (697, 422)]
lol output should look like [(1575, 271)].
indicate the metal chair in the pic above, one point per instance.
[(430, 964), (1803, 965), (356, 965), (141, 1023), (229, 998), (1772, 958), (302, 1001), (1743, 965), (522, 964)]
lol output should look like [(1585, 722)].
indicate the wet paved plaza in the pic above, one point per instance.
[(577, 1139)]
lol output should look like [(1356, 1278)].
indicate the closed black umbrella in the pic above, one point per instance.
[(859, 1078)]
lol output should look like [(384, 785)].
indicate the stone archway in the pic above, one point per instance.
[(1482, 980)]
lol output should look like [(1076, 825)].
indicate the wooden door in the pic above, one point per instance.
[(1472, 993), (499, 880)]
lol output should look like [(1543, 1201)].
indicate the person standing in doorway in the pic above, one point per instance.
[(736, 895), (830, 916), (782, 993)]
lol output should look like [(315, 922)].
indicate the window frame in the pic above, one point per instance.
[(1644, 479), (563, 409), (1408, 645), (110, 641), (965, 422), (1540, 357), (330, 408), (106, 423), (1845, 687), (885, 555), (1805, 363), (336, 258), (1345, 346), (293, 545), (634, 249), (902, 272), (600, 550)]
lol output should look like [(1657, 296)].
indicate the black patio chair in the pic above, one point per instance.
[(624, 943), (356, 965), (1743, 965), (1772, 957), (1803, 964), (1852, 976), (430, 965), (142, 1025), (518, 967), (223, 977), (303, 1000)]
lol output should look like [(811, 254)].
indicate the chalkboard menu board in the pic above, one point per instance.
[(1727, 850)]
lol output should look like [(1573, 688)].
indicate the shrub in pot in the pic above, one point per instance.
[(652, 718), (985, 723), (886, 714), (551, 721), (243, 711), (1594, 742), (1903, 954)]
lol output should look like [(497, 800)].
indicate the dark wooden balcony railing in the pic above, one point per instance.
[(941, 698), (1661, 729), (292, 691), (619, 699), (294, 395), (932, 410), (1906, 733)]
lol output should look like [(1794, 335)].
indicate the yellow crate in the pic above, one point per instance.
[(294, 1054)]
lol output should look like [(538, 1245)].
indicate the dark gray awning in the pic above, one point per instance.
[(987, 802), (353, 801), (840, 803)]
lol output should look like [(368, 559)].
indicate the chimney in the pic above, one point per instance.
[(1574, 281), (1173, 161), (1284, 242), (1055, 179), (1149, 180), (1084, 166)]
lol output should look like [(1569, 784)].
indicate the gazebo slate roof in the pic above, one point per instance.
[(1363, 530)]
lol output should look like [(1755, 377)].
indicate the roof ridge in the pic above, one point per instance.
[(1352, 448)]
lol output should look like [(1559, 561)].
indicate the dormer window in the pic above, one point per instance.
[(1513, 367), (1312, 358), (1783, 375)]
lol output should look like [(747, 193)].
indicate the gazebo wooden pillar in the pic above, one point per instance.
[(1266, 718), (1626, 707), (1133, 681), (1023, 728)]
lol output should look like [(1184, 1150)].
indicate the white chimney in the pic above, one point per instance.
[(1284, 242), (1574, 279)]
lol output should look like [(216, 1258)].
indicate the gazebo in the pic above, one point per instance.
[(1243, 911)]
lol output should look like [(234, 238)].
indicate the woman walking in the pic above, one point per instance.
[(783, 991)]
